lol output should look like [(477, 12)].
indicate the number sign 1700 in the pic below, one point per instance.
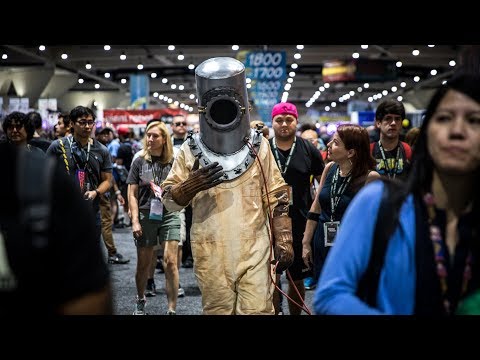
[(262, 73)]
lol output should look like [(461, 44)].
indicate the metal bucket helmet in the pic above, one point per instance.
[(222, 104)]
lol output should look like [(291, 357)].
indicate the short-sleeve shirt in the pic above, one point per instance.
[(306, 161), (142, 173), (99, 160)]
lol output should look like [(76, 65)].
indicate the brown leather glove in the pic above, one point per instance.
[(198, 180), (282, 231)]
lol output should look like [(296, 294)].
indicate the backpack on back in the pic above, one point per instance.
[(405, 146), (368, 285)]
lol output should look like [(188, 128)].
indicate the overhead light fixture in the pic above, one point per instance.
[(180, 56), (140, 66), (123, 56), (88, 66)]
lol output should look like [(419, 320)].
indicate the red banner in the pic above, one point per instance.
[(117, 117)]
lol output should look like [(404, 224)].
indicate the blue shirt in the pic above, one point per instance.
[(349, 258)]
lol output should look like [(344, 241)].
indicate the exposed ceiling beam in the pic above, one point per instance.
[(51, 63)]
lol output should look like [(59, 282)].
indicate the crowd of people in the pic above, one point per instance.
[(385, 225)]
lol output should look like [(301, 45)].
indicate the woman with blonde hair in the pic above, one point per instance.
[(151, 223)]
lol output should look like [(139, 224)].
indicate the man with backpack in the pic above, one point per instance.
[(392, 155)]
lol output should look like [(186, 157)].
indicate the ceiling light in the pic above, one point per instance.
[(88, 66), (64, 56), (106, 47), (123, 56), (235, 47), (191, 66), (97, 86), (41, 48), (140, 66), (123, 81), (180, 56), (80, 81), (171, 47)]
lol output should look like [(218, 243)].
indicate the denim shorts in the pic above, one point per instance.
[(156, 232)]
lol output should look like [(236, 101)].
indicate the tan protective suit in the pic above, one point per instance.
[(230, 236)]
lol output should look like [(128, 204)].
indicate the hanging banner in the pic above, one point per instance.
[(267, 72), (117, 117), (139, 91)]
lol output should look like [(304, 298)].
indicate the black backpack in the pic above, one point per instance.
[(384, 228)]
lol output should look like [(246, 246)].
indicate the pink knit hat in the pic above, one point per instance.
[(285, 109)]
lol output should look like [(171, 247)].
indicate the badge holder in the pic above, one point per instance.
[(330, 230), (156, 210)]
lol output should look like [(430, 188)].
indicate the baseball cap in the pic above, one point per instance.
[(123, 130), (285, 108)]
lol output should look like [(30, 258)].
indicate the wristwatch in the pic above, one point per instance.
[(98, 192)]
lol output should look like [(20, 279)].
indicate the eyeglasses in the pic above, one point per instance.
[(84, 123), (14, 126), (180, 123)]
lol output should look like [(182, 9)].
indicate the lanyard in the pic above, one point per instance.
[(70, 142), (391, 173), (155, 178), (283, 170), (334, 195)]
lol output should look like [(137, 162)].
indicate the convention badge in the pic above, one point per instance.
[(157, 190), (290, 195), (156, 210), (330, 230), (80, 174)]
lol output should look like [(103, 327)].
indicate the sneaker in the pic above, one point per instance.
[(170, 312), (140, 306), (117, 259), (181, 292), (309, 283), (151, 289)]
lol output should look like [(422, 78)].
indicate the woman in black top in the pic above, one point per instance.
[(350, 169)]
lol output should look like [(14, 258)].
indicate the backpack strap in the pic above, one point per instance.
[(384, 228), (34, 191), (408, 150)]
